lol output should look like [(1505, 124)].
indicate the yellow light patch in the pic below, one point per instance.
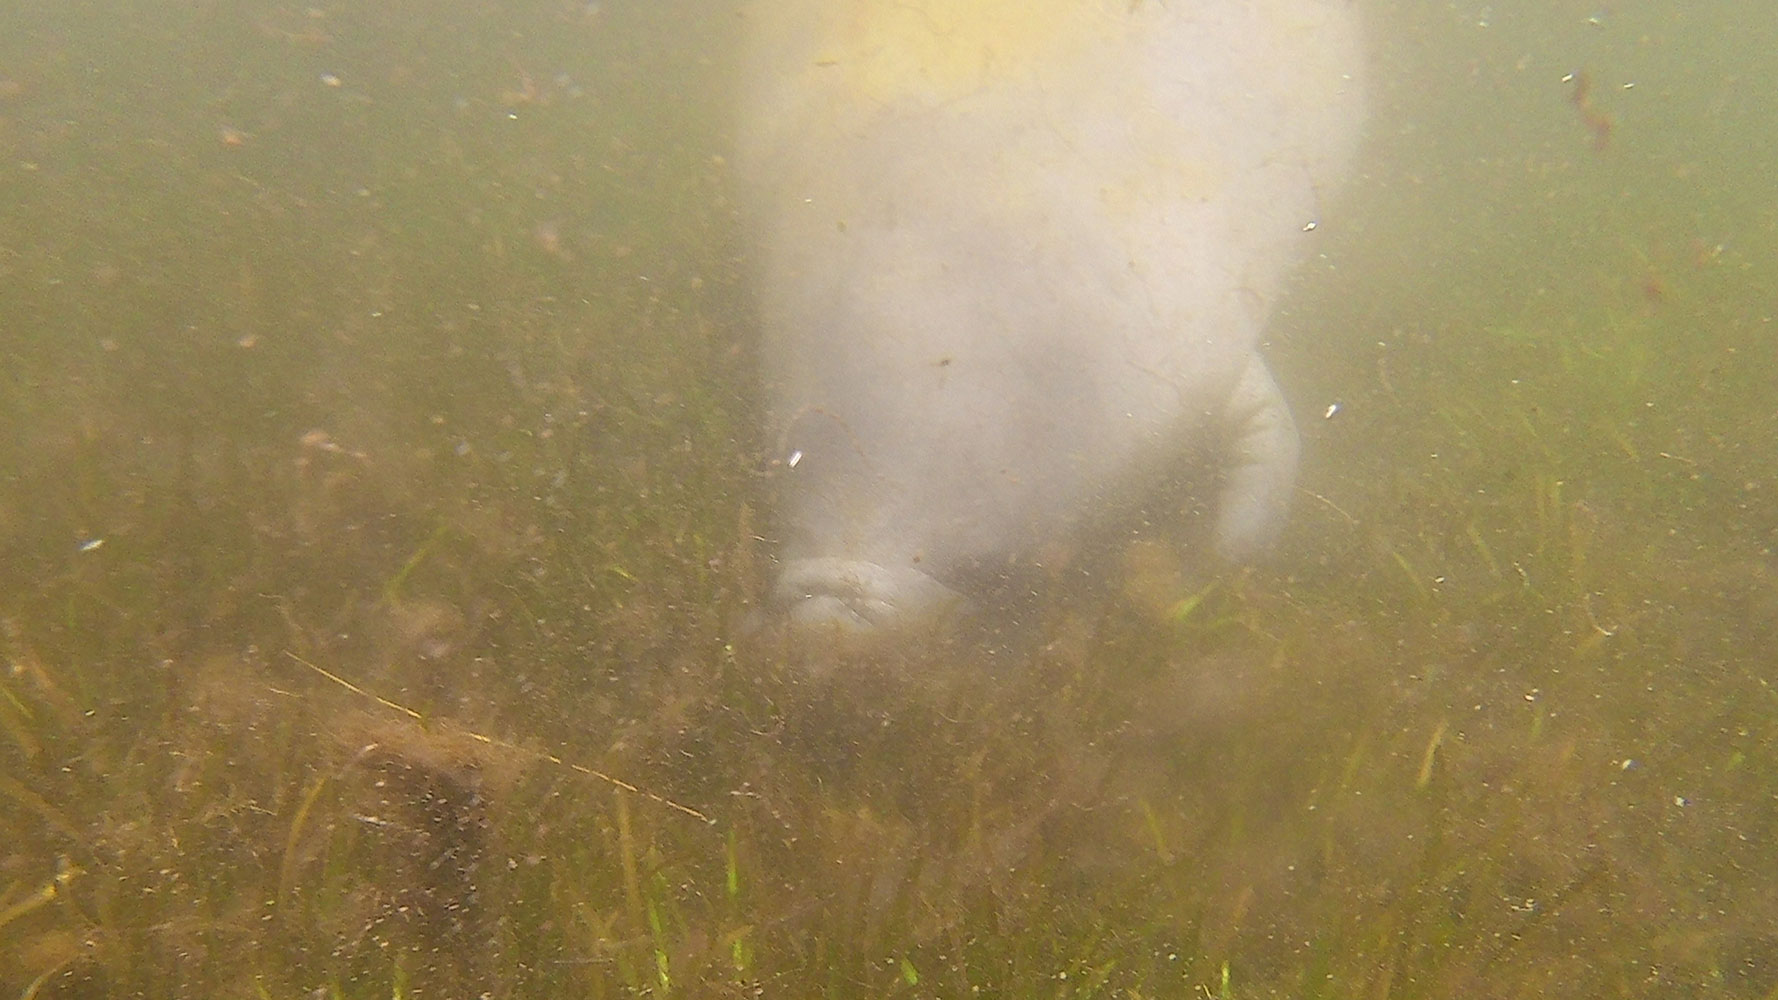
[(943, 49)]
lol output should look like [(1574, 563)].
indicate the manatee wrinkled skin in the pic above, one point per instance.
[(1011, 252)]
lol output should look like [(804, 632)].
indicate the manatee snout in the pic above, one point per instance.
[(852, 602)]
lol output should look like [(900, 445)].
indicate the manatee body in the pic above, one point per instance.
[(1010, 253)]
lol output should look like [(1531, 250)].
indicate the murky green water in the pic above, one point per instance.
[(381, 505)]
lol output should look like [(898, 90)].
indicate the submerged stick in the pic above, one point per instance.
[(502, 744)]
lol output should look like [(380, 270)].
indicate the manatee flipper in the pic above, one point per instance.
[(1259, 468)]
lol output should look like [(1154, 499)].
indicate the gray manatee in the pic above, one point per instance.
[(1011, 252)]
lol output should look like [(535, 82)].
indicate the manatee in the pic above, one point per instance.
[(1010, 255)]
